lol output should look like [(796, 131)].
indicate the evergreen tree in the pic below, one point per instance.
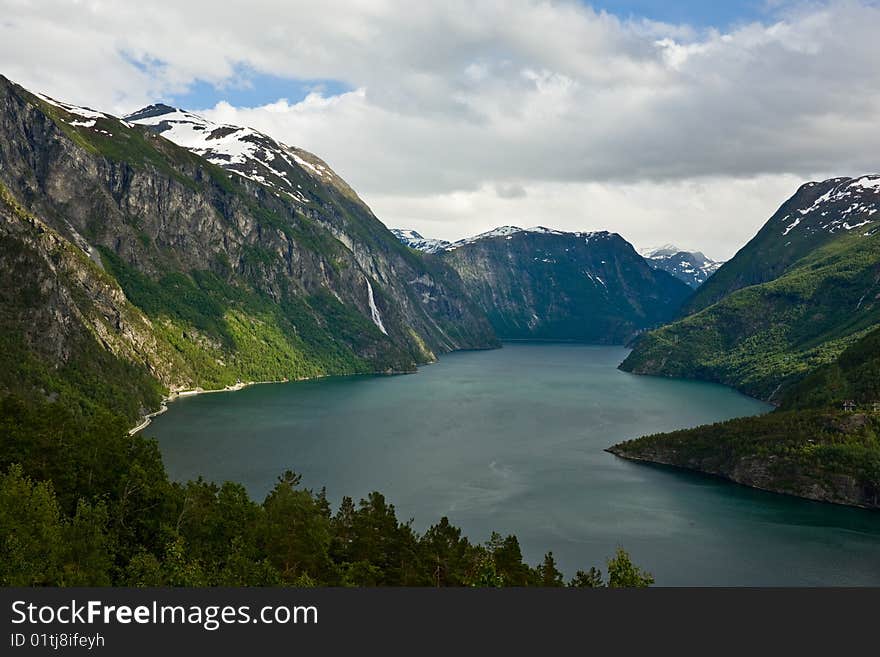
[(591, 579), (548, 574), (622, 573)]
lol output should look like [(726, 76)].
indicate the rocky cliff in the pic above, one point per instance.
[(546, 284), (198, 275)]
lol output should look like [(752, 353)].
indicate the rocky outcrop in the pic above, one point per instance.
[(816, 455), (757, 472)]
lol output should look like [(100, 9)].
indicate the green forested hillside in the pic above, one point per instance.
[(764, 337), (792, 319), (809, 447)]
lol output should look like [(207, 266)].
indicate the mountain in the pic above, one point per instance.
[(540, 283), (818, 213), (791, 300), (692, 267), (134, 266), (415, 241), (809, 447), (793, 318)]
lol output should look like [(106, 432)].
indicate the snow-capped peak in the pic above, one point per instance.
[(659, 251), (245, 151), (692, 267), (847, 203), (509, 231), (414, 240)]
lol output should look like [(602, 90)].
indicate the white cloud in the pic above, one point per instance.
[(713, 215), (466, 114)]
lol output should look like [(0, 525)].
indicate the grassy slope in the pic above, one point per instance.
[(763, 338)]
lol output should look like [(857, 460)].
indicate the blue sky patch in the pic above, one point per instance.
[(697, 13), (245, 88), (251, 90)]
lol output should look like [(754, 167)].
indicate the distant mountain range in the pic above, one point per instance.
[(691, 267), (540, 283), (415, 241)]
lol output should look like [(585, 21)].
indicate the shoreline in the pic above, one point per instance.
[(720, 476), (241, 385), (176, 394)]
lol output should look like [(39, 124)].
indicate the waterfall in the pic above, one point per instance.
[(377, 318)]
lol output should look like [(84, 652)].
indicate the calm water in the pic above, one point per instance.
[(512, 440)]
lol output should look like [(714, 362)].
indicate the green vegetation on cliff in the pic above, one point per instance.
[(810, 447), (792, 319), (763, 338), (818, 454)]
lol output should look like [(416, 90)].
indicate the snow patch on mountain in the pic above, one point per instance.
[(692, 267), (415, 241), (849, 203), (244, 151), (508, 232), (84, 112)]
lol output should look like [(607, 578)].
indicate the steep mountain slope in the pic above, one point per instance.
[(820, 294), (853, 376), (415, 241), (691, 267), (546, 284), (818, 213), (809, 447), (195, 276)]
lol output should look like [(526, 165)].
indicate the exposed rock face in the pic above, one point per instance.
[(770, 474), (205, 254), (546, 284)]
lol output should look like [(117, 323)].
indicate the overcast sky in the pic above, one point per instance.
[(687, 122)]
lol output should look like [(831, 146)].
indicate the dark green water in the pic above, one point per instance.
[(512, 440)]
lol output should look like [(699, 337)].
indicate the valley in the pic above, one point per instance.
[(149, 257)]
